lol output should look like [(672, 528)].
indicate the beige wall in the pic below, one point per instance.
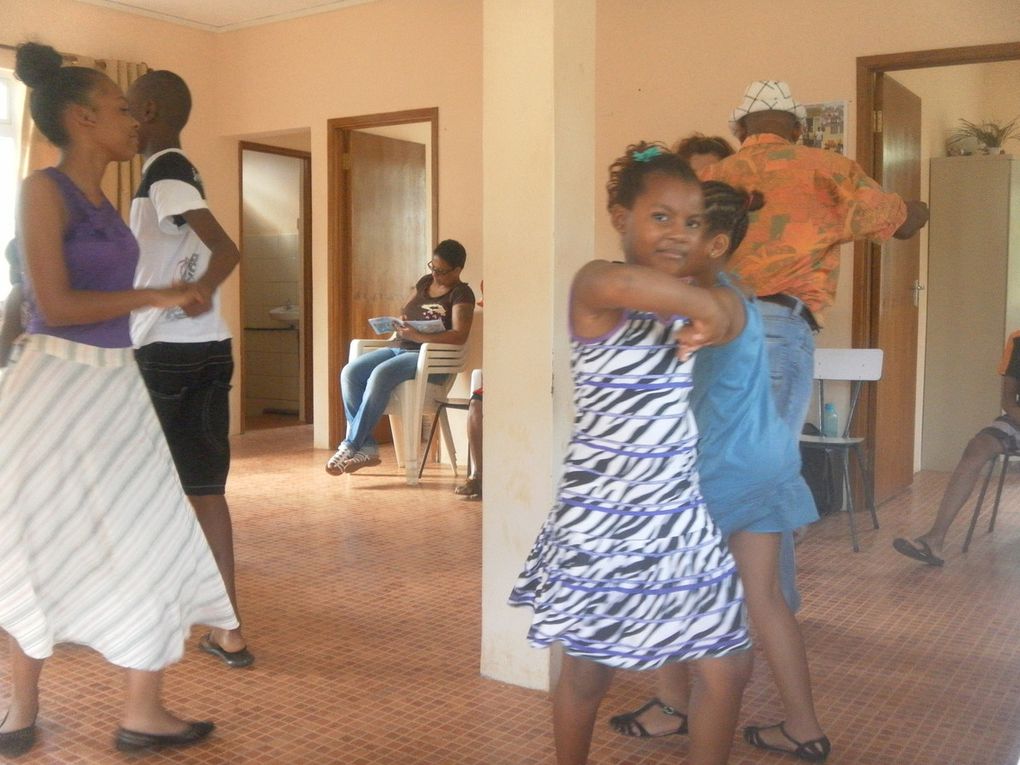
[(389, 55), (697, 57), (662, 68)]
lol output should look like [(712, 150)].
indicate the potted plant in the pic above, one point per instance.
[(990, 135)]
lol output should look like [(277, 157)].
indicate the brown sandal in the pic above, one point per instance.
[(471, 488)]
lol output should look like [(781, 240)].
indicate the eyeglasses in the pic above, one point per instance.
[(439, 271)]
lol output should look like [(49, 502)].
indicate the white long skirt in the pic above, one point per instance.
[(98, 544)]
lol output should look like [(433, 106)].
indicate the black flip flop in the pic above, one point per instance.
[(918, 550)]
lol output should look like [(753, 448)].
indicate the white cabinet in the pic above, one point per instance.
[(973, 298)]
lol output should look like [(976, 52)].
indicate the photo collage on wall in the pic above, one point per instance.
[(825, 126)]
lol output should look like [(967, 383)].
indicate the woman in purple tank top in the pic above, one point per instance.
[(99, 544)]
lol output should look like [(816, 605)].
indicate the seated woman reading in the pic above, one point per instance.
[(367, 381)]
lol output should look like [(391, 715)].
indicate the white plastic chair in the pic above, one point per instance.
[(856, 366), (412, 400)]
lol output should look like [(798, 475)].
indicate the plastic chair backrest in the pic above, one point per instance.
[(854, 365), (848, 364)]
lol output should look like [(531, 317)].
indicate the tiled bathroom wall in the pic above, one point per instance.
[(271, 277)]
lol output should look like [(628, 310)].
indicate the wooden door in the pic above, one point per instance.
[(389, 246), (896, 269)]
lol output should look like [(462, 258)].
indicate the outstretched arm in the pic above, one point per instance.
[(917, 216), (603, 290)]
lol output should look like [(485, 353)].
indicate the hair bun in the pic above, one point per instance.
[(755, 201), (36, 63)]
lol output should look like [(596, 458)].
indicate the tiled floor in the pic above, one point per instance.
[(360, 594)]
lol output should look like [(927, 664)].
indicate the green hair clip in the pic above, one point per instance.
[(647, 155)]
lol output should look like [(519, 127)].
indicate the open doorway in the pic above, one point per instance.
[(383, 222), (874, 289), (276, 358)]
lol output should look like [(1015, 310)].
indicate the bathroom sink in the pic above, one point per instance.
[(288, 314)]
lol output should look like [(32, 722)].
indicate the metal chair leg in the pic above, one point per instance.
[(444, 423), (980, 501), (869, 485), (998, 493), (849, 499), (428, 443)]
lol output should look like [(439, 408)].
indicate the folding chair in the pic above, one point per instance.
[(442, 420), (998, 495), (856, 366)]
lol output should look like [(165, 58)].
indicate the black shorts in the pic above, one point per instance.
[(190, 384)]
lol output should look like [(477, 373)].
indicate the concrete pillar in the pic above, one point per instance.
[(538, 152)]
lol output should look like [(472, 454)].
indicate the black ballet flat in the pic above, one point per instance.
[(235, 659), (133, 741), (16, 742)]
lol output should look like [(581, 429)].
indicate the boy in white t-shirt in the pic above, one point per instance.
[(185, 353)]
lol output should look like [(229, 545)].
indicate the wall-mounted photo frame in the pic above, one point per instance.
[(825, 126)]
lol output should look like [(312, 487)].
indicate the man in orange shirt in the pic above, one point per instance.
[(815, 201), (1002, 435)]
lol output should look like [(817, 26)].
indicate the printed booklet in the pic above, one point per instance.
[(384, 324)]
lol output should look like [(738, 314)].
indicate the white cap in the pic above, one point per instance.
[(767, 96)]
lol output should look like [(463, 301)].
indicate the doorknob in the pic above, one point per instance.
[(915, 290)]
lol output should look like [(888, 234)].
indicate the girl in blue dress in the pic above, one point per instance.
[(629, 570)]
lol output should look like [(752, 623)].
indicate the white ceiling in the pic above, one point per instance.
[(224, 15)]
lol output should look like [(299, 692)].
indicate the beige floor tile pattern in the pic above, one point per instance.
[(360, 597)]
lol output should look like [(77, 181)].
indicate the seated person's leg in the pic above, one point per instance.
[(353, 383), (381, 383), (354, 380), (472, 487), (986, 445)]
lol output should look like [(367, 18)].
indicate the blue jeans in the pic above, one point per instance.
[(791, 349), (366, 384)]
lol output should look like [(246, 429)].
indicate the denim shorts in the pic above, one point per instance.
[(1005, 431), (189, 384)]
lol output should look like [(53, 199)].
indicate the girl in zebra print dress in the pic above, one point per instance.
[(629, 571)]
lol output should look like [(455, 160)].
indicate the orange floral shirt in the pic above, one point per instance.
[(815, 201)]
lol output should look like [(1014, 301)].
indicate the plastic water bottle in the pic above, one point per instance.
[(830, 421)]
